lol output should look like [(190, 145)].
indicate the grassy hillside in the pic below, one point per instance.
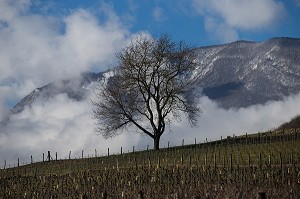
[(236, 167), (292, 124)]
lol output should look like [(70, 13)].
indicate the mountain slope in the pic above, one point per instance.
[(245, 73), (235, 75), (76, 88)]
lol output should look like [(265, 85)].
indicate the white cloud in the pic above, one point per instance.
[(235, 15), (36, 51), (222, 31), (59, 125), (158, 14), (215, 122), (4, 111)]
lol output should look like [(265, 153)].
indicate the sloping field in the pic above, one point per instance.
[(263, 164)]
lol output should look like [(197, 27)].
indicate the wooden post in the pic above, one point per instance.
[(181, 159), (215, 161), (69, 155), (4, 164), (249, 160), (260, 161), (121, 150), (95, 153), (149, 163), (55, 155), (231, 162), (182, 142), (18, 162), (104, 195), (82, 154), (282, 168), (31, 159), (43, 157), (49, 156), (141, 195), (158, 164), (107, 151)]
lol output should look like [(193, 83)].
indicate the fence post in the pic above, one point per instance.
[(182, 142), (82, 154), (4, 164), (107, 151), (31, 159), (121, 150), (49, 156), (69, 155), (18, 162), (43, 157), (55, 155)]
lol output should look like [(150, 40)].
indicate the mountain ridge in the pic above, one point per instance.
[(235, 75)]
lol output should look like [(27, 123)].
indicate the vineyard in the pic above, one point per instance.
[(264, 165)]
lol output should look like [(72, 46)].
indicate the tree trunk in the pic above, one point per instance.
[(156, 142)]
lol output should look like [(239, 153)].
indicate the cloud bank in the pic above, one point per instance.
[(38, 49), (225, 19), (62, 125)]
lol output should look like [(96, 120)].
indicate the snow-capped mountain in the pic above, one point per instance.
[(237, 74), (76, 88), (245, 73)]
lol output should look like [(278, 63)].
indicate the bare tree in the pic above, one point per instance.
[(147, 89)]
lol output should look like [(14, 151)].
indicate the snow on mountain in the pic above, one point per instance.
[(76, 88), (238, 74), (245, 73)]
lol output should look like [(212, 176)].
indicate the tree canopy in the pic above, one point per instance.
[(147, 89)]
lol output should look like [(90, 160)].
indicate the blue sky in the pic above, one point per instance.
[(198, 22), (43, 41)]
